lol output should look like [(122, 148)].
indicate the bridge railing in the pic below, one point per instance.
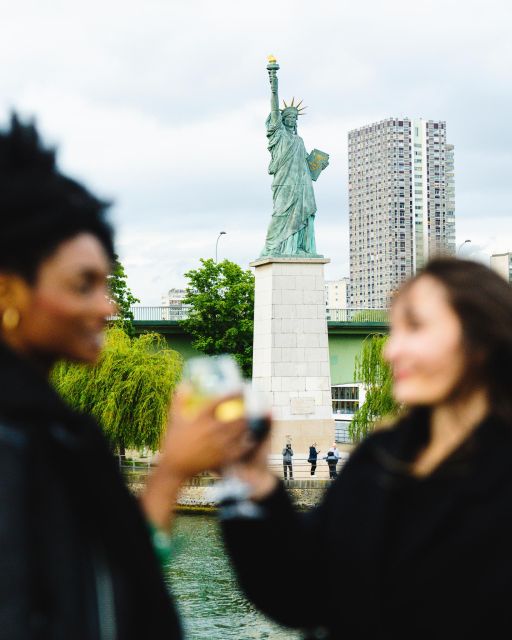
[(300, 468), (357, 315), (180, 312), (158, 314)]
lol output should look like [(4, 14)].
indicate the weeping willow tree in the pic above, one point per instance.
[(127, 391), (374, 372)]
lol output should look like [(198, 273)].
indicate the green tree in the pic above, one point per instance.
[(127, 391), (375, 373), (221, 296), (122, 296)]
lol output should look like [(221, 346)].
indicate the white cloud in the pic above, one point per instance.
[(161, 107)]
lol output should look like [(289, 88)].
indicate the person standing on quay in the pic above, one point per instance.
[(423, 508), (287, 461), (337, 453), (332, 461), (313, 457)]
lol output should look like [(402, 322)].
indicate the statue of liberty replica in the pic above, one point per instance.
[(291, 348), (291, 231)]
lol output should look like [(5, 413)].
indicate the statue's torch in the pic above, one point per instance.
[(272, 67)]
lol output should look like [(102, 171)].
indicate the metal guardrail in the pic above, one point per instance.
[(136, 464), (180, 312), (357, 315), (157, 314), (301, 468)]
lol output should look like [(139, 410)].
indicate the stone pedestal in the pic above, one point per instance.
[(291, 352)]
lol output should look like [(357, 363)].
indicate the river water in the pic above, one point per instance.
[(210, 603)]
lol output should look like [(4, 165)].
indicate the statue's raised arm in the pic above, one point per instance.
[(273, 68)]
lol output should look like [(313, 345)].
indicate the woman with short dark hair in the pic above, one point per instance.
[(420, 518), (76, 555)]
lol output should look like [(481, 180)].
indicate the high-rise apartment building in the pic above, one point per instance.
[(401, 204)]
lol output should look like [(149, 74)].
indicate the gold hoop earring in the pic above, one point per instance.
[(10, 318)]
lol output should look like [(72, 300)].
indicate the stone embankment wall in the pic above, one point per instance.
[(199, 493)]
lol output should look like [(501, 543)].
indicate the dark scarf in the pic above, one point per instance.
[(74, 444)]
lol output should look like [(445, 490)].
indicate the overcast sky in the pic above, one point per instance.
[(160, 106)]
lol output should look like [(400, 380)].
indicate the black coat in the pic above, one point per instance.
[(331, 459), (415, 558), (76, 561), (313, 454)]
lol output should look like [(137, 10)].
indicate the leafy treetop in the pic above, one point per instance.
[(122, 296), (221, 296)]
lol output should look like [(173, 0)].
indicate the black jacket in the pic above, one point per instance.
[(331, 459), (416, 558), (76, 561), (313, 454)]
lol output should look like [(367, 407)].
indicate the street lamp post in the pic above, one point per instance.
[(461, 245), (222, 233)]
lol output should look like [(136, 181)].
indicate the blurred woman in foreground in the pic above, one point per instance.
[(76, 554), (420, 519)]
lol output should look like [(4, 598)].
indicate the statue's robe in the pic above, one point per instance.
[(291, 230)]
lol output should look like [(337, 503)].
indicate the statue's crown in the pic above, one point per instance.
[(293, 107)]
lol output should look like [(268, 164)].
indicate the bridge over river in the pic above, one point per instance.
[(346, 334)]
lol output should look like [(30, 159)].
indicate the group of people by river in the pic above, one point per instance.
[(332, 458), (420, 517)]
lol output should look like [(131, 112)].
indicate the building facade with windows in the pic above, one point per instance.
[(346, 400), (401, 204), (173, 307), (337, 296)]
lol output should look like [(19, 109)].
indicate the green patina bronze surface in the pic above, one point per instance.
[(291, 230)]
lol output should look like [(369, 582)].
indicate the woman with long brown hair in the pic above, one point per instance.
[(420, 520)]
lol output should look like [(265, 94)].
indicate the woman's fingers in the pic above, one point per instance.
[(207, 436)]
